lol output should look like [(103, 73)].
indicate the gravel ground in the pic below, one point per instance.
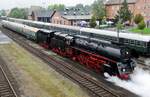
[(35, 78)]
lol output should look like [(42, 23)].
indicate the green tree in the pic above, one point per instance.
[(138, 18), (93, 22), (79, 6), (58, 7), (98, 9), (88, 7), (141, 25), (18, 13), (124, 13), (119, 26), (2, 13)]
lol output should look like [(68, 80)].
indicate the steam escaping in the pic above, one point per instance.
[(139, 83)]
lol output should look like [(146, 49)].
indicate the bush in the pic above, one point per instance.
[(119, 25), (93, 22), (141, 25), (138, 18)]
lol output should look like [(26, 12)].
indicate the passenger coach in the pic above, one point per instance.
[(138, 44)]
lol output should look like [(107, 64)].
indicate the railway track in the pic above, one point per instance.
[(6, 87), (95, 88), (142, 64)]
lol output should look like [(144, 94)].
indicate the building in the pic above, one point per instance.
[(136, 7), (33, 8), (42, 15), (72, 16)]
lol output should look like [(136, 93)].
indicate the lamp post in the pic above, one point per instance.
[(119, 23)]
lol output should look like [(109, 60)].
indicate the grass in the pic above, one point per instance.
[(47, 79), (144, 31)]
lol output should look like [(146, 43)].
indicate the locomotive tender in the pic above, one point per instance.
[(137, 44), (98, 55)]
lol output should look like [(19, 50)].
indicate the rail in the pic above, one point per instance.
[(6, 88)]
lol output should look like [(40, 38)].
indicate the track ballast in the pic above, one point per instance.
[(6, 87)]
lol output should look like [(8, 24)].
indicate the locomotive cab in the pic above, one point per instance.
[(43, 37)]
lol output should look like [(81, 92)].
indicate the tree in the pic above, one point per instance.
[(87, 7), (58, 7), (138, 18), (18, 13), (79, 6), (124, 13), (119, 25), (98, 9), (141, 25), (2, 13), (93, 22)]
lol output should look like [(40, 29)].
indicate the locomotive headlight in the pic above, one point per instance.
[(124, 70)]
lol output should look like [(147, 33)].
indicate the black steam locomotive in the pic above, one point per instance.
[(98, 55)]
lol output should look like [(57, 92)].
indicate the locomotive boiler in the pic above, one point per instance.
[(94, 54)]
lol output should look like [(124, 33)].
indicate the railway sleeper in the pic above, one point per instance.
[(103, 92), (4, 86)]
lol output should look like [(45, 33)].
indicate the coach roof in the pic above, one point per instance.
[(132, 36)]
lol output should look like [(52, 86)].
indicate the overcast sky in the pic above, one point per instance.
[(7, 4)]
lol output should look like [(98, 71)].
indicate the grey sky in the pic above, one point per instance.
[(7, 4)]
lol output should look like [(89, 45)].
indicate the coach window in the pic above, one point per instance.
[(141, 43), (132, 42), (138, 43), (91, 35), (96, 36), (112, 39), (101, 36), (144, 44), (107, 38), (85, 33), (126, 41)]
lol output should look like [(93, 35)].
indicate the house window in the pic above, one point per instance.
[(64, 23), (57, 21)]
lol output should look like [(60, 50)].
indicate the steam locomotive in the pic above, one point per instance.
[(96, 54)]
